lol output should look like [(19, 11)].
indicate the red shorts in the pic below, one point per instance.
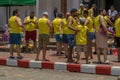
[(30, 35)]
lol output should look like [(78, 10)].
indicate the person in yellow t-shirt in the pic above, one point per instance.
[(64, 25), (56, 23), (117, 34), (16, 26), (44, 27), (101, 38), (72, 26), (81, 40), (81, 10), (30, 23), (89, 24), (91, 11)]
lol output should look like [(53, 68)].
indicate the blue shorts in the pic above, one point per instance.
[(65, 39), (71, 40), (15, 38), (58, 39), (91, 36)]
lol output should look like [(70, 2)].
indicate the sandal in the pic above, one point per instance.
[(107, 62), (37, 60), (88, 62), (19, 57), (45, 60), (11, 57)]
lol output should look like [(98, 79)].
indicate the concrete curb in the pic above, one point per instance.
[(83, 68)]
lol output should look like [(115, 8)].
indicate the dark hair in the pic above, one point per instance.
[(32, 12), (93, 5), (73, 10), (60, 15), (15, 11), (86, 12), (101, 10)]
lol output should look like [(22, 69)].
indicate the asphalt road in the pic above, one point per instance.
[(15, 73)]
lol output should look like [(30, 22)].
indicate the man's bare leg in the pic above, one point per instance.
[(11, 49), (66, 49), (70, 59), (118, 54)]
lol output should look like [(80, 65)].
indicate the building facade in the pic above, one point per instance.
[(50, 5)]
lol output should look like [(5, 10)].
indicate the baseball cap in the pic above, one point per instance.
[(45, 13), (82, 20), (81, 4)]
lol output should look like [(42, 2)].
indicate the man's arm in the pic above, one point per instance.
[(19, 22), (26, 22), (36, 23), (60, 28), (109, 21), (86, 22), (70, 21), (49, 26), (103, 24), (91, 13)]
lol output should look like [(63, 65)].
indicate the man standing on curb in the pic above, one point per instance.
[(15, 25), (30, 30), (58, 31), (72, 27), (44, 27), (89, 24)]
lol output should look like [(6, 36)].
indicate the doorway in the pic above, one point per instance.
[(63, 6)]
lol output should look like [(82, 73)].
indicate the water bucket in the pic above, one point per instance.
[(115, 51)]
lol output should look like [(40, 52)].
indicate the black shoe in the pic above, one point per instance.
[(11, 57)]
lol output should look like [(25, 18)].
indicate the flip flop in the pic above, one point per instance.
[(37, 60), (45, 60), (11, 57)]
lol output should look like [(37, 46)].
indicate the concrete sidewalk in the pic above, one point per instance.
[(59, 63)]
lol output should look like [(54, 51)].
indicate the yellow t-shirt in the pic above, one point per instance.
[(117, 27), (90, 24), (97, 22), (81, 13), (43, 26), (89, 12), (56, 25), (106, 19), (65, 26), (74, 25), (30, 26), (14, 27), (81, 37)]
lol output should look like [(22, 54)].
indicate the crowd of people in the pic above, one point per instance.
[(75, 31)]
